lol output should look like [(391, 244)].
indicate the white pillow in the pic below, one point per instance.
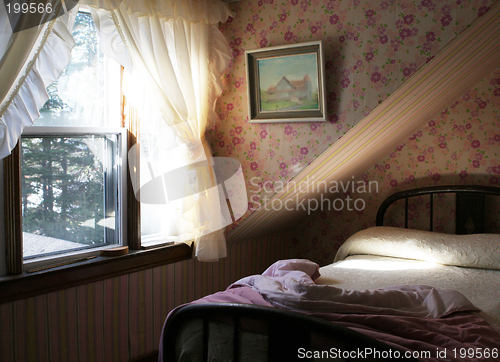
[(474, 250)]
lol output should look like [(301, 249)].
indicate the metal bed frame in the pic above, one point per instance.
[(470, 201), (287, 331)]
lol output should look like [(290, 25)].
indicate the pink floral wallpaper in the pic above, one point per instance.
[(370, 49), (460, 146)]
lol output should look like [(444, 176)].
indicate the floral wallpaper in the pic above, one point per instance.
[(371, 48), (460, 146)]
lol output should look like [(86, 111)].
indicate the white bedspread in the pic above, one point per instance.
[(358, 272)]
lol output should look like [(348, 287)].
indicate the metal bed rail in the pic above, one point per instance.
[(469, 204)]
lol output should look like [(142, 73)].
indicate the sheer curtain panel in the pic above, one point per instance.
[(178, 54)]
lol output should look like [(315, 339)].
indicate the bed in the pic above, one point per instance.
[(391, 293)]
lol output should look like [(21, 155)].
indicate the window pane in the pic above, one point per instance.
[(87, 91), (158, 221), (68, 199)]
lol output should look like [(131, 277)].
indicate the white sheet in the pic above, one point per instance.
[(358, 272)]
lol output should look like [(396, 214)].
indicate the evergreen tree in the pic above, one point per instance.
[(64, 189), (63, 179)]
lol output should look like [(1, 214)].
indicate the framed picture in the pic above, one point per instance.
[(286, 83)]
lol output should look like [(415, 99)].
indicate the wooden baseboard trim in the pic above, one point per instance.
[(150, 357)]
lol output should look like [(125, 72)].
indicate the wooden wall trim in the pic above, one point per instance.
[(15, 287), (13, 213), (130, 121), (133, 205), (150, 357)]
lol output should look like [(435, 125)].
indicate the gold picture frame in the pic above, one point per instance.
[(286, 83)]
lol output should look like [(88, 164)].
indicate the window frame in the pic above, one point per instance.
[(120, 237), (19, 284)]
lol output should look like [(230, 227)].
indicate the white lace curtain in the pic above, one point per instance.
[(30, 60), (176, 49)]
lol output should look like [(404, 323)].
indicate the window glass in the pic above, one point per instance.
[(67, 198)]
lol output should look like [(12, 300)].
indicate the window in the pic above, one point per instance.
[(66, 185), (70, 190), (72, 170)]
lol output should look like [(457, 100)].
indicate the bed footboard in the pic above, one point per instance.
[(244, 332)]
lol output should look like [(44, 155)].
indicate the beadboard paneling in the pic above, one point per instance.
[(121, 318)]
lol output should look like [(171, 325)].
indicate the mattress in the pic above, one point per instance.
[(479, 284), (412, 317)]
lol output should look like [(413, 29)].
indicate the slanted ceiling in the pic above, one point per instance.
[(470, 57)]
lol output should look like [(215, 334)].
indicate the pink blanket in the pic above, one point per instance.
[(417, 318)]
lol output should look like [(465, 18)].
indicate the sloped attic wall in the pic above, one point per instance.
[(371, 48), (462, 63), (460, 146)]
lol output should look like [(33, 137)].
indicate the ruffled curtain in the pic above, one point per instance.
[(179, 55), (30, 60)]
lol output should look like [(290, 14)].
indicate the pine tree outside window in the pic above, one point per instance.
[(72, 158)]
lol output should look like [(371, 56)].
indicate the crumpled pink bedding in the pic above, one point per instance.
[(417, 318), (289, 284)]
